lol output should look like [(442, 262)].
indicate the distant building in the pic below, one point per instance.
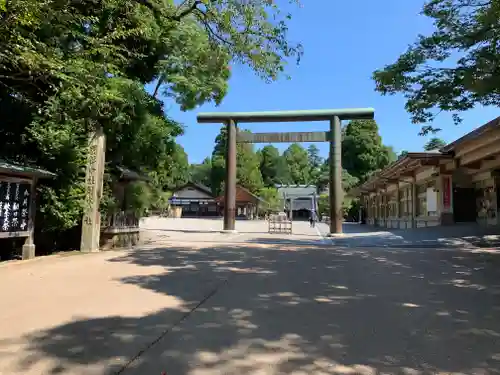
[(300, 199), (195, 200), (247, 203)]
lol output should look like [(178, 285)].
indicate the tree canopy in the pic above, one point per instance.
[(362, 149), (434, 144), (273, 167), (69, 67), (200, 173), (453, 69), (298, 163), (247, 162)]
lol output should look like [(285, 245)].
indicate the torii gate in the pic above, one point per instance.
[(334, 136)]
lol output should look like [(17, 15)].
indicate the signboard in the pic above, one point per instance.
[(431, 196), (180, 202), (446, 192), (291, 137), (14, 206)]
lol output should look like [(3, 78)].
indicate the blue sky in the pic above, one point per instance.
[(344, 42)]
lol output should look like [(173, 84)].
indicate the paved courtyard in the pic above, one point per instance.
[(198, 302)]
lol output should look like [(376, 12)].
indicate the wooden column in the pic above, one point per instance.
[(414, 202), (230, 191), (91, 224), (336, 193), (28, 250), (398, 203)]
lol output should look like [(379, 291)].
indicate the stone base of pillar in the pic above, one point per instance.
[(229, 231), (90, 250), (28, 251)]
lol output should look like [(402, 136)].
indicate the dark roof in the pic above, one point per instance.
[(297, 190), (128, 174), (198, 186), (23, 170), (493, 124)]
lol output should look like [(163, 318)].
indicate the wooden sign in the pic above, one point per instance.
[(446, 192), (291, 137), (15, 200)]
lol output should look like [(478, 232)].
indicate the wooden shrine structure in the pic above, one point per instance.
[(333, 116), (18, 203)]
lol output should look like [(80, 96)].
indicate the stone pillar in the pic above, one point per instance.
[(91, 224), (230, 191), (336, 193), (28, 251)]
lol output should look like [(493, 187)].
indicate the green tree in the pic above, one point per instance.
[(218, 171), (73, 66), (362, 149), (297, 160), (255, 34), (315, 163), (434, 144), (147, 40), (272, 198), (176, 167), (273, 166), (349, 204), (247, 165), (402, 154), (138, 137), (391, 154), (453, 69), (200, 173), (323, 181)]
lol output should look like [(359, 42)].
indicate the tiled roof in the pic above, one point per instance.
[(297, 190), (493, 124), (23, 170), (197, 186)]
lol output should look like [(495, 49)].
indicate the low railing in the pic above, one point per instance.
[(279, 224), (120, 222)]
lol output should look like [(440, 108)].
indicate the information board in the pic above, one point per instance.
[(15, 199)]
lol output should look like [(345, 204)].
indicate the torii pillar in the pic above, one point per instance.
[(230, 186)]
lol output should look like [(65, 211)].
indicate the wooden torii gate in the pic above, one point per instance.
[(334, 116)]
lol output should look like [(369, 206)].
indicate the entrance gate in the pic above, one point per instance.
[(334, 116)]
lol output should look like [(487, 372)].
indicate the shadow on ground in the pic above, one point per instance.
[(456, 236), (300, 309)]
